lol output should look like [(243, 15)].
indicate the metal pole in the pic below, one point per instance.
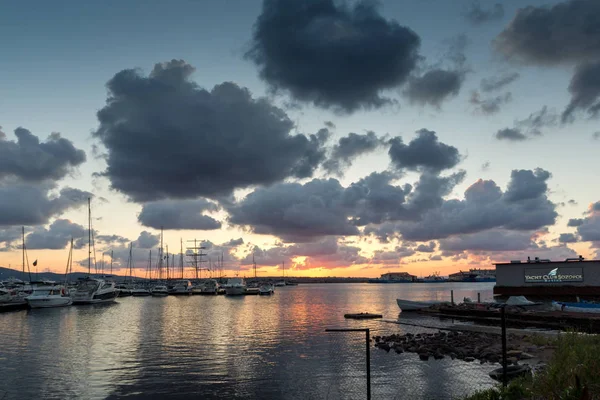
[(368, 347), (452, 297), (503, 319), (479, 297)]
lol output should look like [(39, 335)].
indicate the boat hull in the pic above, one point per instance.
[(160, 294), (588, 308), (49, 302), (409, 305), (235, 291), (107, 297)]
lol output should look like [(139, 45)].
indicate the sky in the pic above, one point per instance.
[(341, 138)]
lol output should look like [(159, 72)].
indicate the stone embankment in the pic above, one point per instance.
[(466, 346)]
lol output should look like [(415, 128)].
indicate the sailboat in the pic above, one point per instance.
[(282, 281), (93, 290), (51, 295)]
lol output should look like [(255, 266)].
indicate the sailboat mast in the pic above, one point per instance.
[(111, 260), (23, 232), (181, 256), (283, 269), (89, 236), (254, 263), (167, 262), (131, 260)]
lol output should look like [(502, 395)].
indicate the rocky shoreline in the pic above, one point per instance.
[(466, 346)]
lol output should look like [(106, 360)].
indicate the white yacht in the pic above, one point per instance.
[(266, 289), (159, 291), (49, 296), (93, 290), (280, 283), (235, 287), (181, 287), (210, 286), (5, 295)]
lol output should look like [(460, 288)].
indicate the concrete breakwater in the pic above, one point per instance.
[(466, 346)]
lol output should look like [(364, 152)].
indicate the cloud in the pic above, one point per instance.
[(146, 240), (596, 135), (588, 228), (224, 138), (498, 82), (427, 248), (511, 134), (179, 214), (489, 105), (57, 236), (348, 148), (533, 124), (332, 54), (477, 15), (575, 222), (29, 204), (567, 238), (423, 152), (492, 240), (523, 206), (323, 207), (9, 235), (585, 90), (32, 161), (485, 166), (434, 86), (111, 239), (563, 33)]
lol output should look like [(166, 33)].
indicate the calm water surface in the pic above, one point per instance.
[(230, 347)]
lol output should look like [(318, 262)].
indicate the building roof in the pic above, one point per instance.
[(533, 262)]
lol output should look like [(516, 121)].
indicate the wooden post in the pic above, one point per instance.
[(479, 297), (452, 297)]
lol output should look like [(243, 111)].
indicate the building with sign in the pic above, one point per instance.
[(550, 279)]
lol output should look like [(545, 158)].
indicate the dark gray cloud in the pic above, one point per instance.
[(427, 248), (110, 239), (56, 236), (585, 90), (575, 221), (536, 121), (348, 148), (476, 14), (568, 238), (216, 135), (490, 105), (492, 240), (332, 54), (596, 135), (434, 86), (485, 166), (306, 212), (179, 214), (498, 82), (295, 212), (524, 206), (146, 240), (28, 204), (425, 152), (8, 237), (30, 160), (511, 134), (566, 32)]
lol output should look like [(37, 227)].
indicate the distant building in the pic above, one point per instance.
[(550, 279), (473, 275)]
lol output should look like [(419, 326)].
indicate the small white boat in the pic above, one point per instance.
[(140, 292), (579, 307), (93, 291), (159, 291), (266, 289), (280, 283), (410, 305), (210, 287), (49, 297), (235, 287), (182, 287)]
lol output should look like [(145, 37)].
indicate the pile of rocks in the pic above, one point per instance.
[(467, 346)]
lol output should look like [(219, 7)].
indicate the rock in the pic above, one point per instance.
[(424, 356), (384, 346), (469, 359), (399, 350), (512, 360), (513, 353), (525, 356), (531, 349), (438, 356)]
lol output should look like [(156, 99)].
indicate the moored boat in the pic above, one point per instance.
[(209, 287), (93, 290), (578, 307), (49, 297), (410, 305), (181, 287), (266, 289), (235, 287), (159, 291), (140, 291)]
